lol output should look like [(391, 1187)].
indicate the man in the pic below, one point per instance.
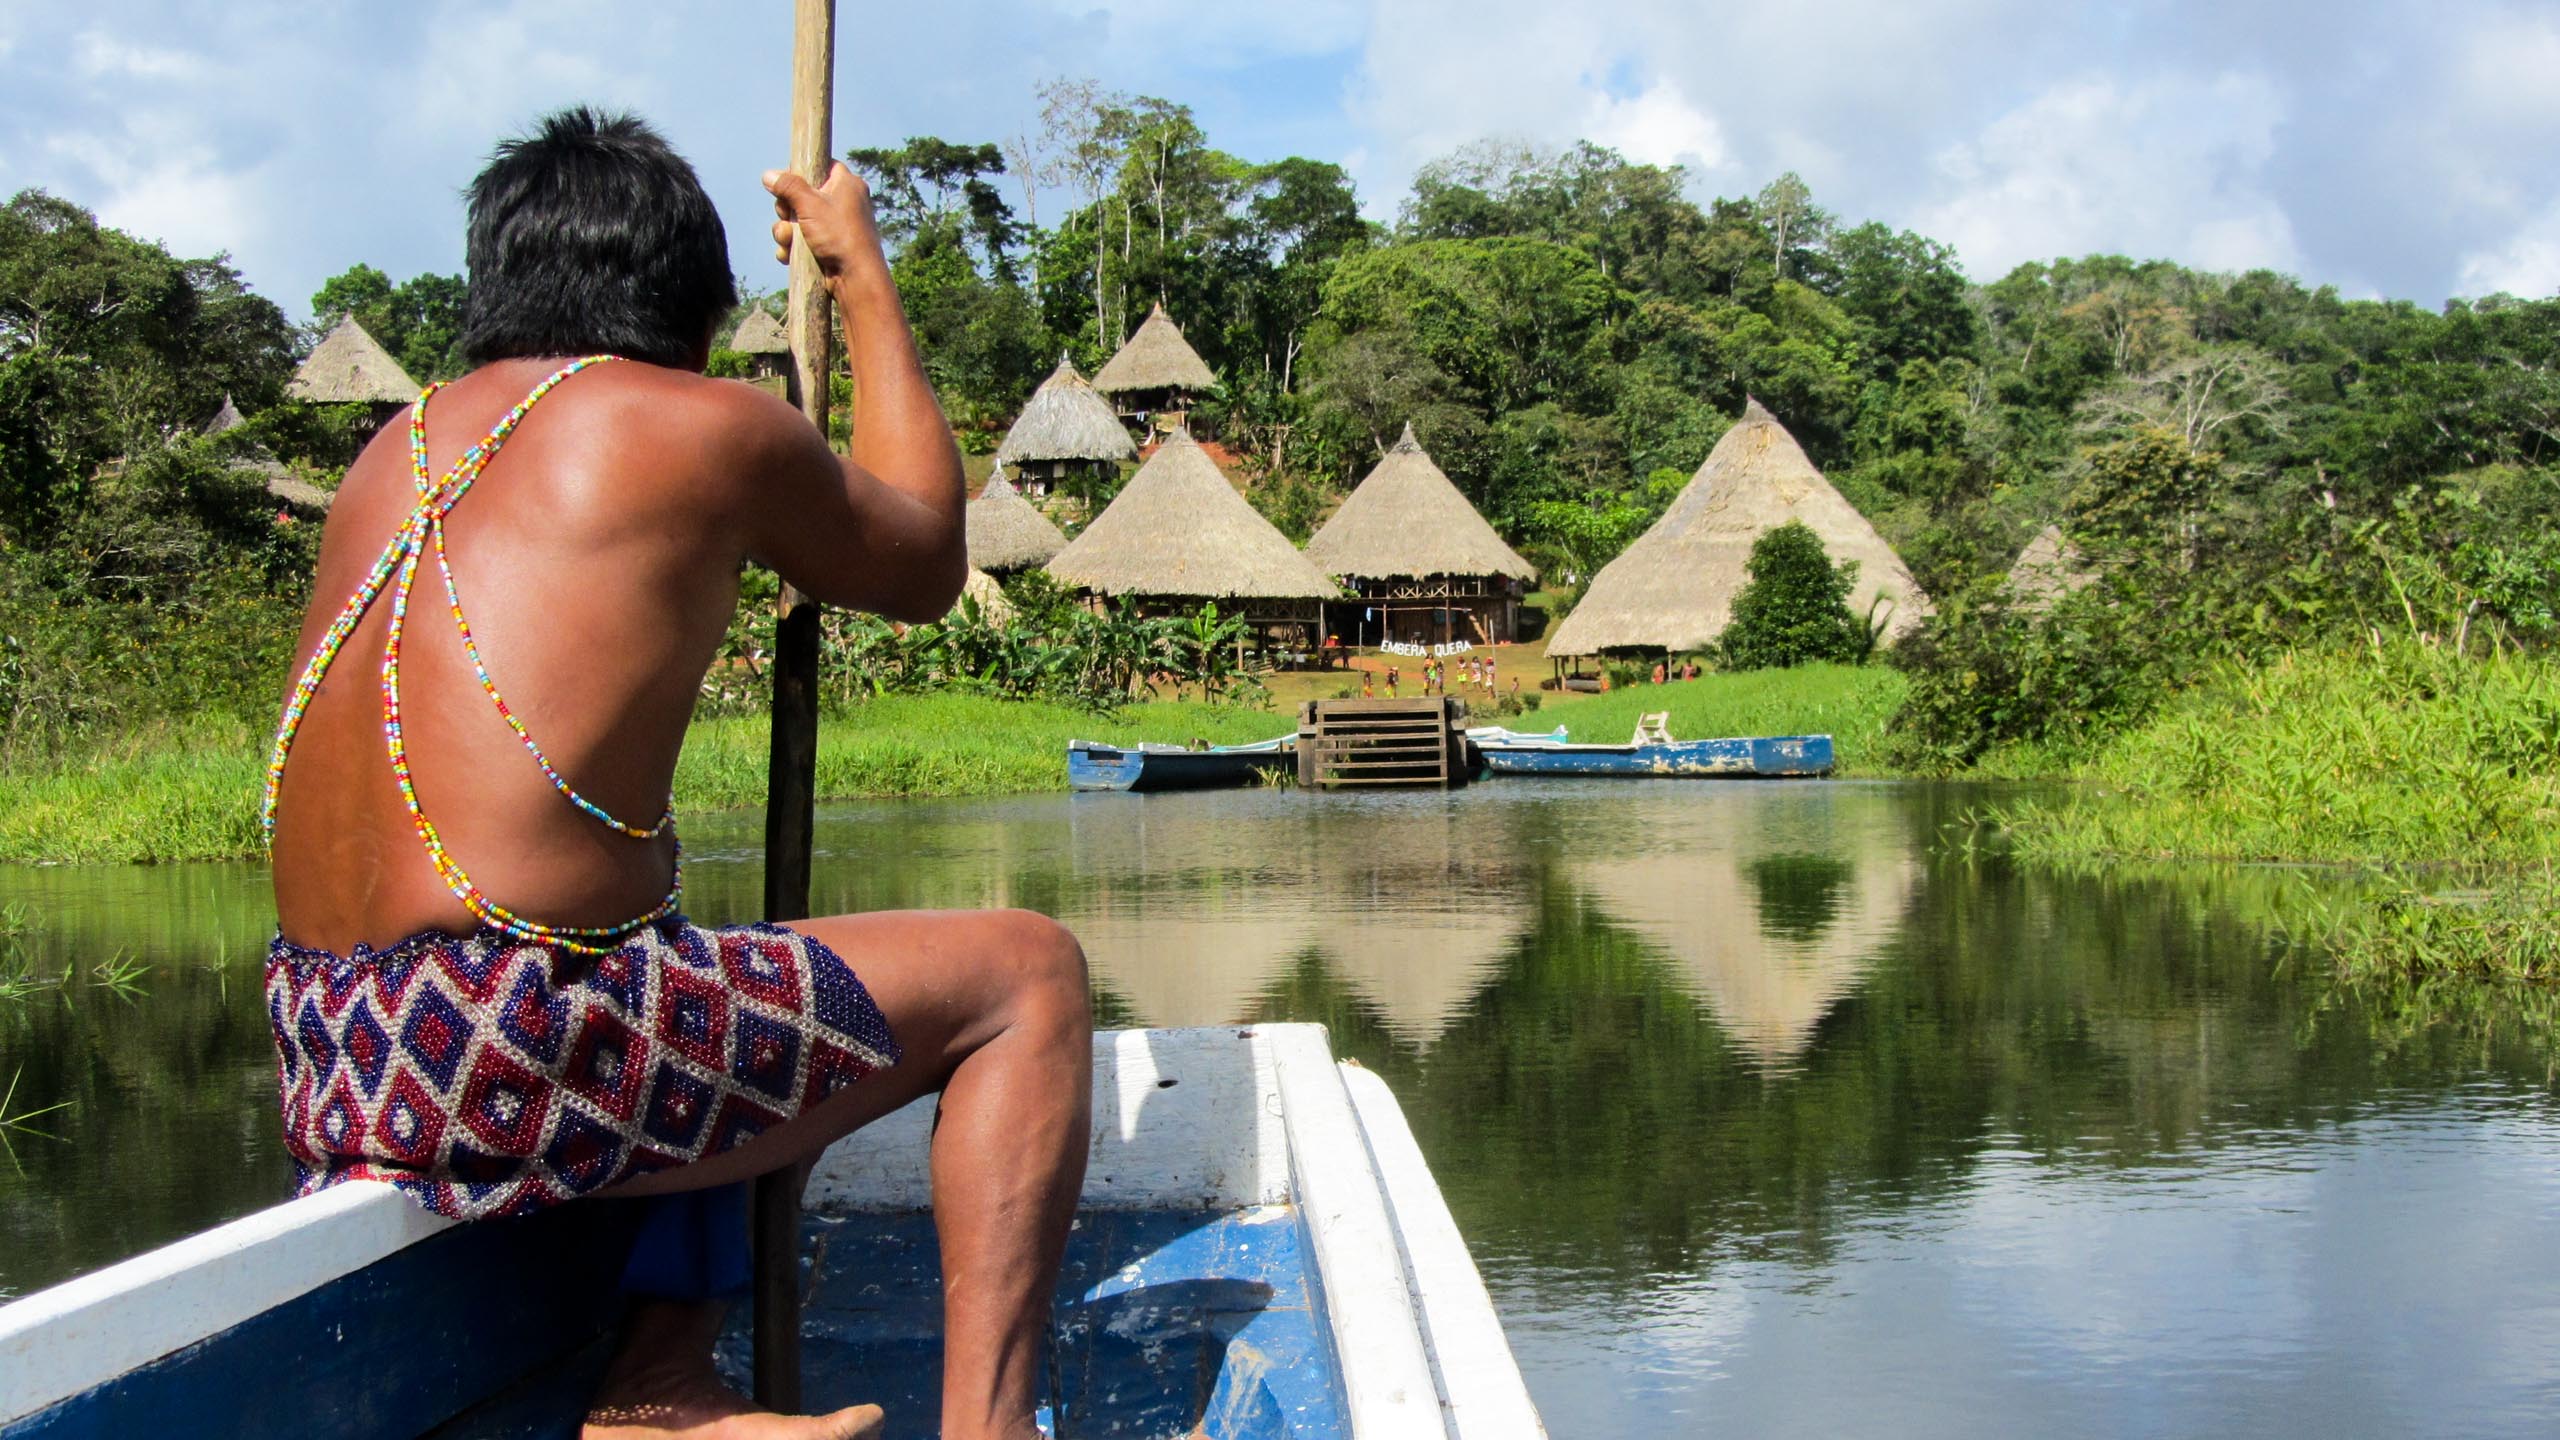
[(553, 1025)]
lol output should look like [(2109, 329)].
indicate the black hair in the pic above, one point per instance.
[(593, 235)]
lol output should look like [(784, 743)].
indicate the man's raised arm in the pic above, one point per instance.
[(881, 529)]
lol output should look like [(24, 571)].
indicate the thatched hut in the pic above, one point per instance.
[(1423, 565), (760, 338), (2047, 570), (285, 487), (1179, 534), (982, 587), (1155, 372), (1064, 431), (350, 367), (1006, 532), (1673, 589)]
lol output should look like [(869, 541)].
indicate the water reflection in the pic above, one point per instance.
[(1759, 1114)]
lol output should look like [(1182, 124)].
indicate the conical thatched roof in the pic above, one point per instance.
[(1006, 532), (1673, 589), (283, 485), (1406, 521), (225, 419), (982, 587), (2048, 569), (1178, 528), (1155, 358), (349, 366), (760, 334), (1066, 420)]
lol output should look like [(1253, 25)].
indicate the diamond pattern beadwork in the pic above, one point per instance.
[(487, 1076)]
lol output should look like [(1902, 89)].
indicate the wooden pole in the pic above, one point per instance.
[(791, 785)]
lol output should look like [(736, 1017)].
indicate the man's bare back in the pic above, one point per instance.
[(597, 559)]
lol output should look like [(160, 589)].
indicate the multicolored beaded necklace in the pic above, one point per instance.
[(422, 530)]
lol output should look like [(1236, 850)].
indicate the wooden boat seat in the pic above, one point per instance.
[(1653, 729)]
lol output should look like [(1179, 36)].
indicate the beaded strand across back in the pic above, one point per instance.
[(420, 532)]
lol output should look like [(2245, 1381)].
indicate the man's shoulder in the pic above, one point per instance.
[(687, 398)]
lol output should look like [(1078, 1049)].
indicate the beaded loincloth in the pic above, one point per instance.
[(486, 1075)]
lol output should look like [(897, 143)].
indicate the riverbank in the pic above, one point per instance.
[(189, 792), (2435, 776)]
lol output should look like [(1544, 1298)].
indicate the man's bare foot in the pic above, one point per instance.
[(699, 1407)]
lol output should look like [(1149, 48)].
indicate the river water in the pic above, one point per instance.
[(1763, 1110)]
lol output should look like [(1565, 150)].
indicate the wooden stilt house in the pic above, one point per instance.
[(760, 338), (1419, 563), (1178, 534), (1156, 374), (1066, 438)]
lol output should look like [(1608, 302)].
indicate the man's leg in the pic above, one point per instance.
[(990, 1009)]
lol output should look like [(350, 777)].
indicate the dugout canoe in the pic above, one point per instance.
[(1260, 1254), (1092, 765), (1764, 757)]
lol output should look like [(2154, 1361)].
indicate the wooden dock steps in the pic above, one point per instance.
[(1417, 741)]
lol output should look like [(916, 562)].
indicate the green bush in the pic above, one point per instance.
[(1795, 608), (1989, 671)]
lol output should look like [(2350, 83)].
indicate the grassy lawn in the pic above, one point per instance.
[(192, 793)]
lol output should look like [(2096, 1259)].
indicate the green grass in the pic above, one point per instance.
[(191, 793), (2407, 756), (1850, 703), (949, 744), (2436, 774), (165, 793)]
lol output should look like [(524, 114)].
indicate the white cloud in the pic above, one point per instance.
[(1228, 32), (157, 185), (1656, 127), (98, 55), (2506, 65), (2526, 263), (2172, 166)]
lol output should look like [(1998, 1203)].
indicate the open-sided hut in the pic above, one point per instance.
[(1673, 589), (1421, 564), (350, 367), (1066, 429), (2048, 569), (287, 488), (760, 338), (1179, 534), (1006, 533), (1156, 371)]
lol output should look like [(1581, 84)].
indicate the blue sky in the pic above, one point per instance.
[(2382, 146)]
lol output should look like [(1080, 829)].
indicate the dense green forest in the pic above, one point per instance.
[(2243, 464)]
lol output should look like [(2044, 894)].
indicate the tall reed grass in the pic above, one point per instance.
[(2437, 773), (2405, 754), (162, 792)]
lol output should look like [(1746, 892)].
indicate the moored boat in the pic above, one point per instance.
[(1092, 765), (1260, 1254), (1767, 757)]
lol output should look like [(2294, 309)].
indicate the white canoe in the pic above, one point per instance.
[(1260, 1253)]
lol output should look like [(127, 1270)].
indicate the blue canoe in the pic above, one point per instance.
[(1260, 1254), (1092, 765), (1770, 756)]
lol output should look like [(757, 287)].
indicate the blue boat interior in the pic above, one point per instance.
[(1168, 1324)]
